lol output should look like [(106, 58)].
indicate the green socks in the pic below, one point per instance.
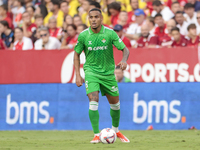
[(115, 114), (94, 116)]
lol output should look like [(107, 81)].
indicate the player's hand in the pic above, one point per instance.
[(122, 65), (79, 81)]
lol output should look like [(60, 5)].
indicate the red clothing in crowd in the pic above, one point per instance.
[(195, 43), (19, 46), (72, 40), (160, 31), (114, 20), (131, 17), (32, 27), (57, 32), (2, 45), (126, 41), (181, 2), (150, 40), (182, 42), (165, 40), (9, 22), (149, 6)]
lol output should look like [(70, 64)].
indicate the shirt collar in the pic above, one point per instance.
[(101, 31)]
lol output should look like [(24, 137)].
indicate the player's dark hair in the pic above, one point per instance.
[(18, 28), (115, 6), (4, 7), (156, 3), (158, 15), (188, 5), (72, 25), (191, 26), (95, 9), (83, 25), (151, 19), (5, 23), (95, 4), (175, 29)]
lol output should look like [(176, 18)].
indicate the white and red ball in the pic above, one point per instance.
[(107, 136)]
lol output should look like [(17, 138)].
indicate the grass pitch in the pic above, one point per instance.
[(79, 140)]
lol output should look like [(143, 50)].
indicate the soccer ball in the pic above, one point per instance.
[(107, 136)]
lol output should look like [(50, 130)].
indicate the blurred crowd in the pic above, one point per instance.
[(56, 24)]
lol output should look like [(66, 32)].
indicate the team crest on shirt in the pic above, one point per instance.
[(103, 40)]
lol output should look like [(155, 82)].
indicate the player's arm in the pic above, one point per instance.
[(123, 63), (79, 79)]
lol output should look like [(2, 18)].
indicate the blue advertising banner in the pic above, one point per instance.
[(166, 106)]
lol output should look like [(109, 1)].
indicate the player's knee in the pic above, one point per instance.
[(93, 105), (115, 106)]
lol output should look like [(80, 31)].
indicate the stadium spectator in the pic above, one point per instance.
[(119, 74), (17, 12), (163, 10), (193, 40), (114, 9), (70, 38), (106, 19), (27, 26), (151, 24), (48, 4), (7, 35), (119, 30), (131, 16), (166, 40), (31, 11), (86, 7), (21, 42), (160, 30), (135, 29), (147, 40), (195, 3), (80, 28), (77, 20), (179, 40), (39, 22), (190, 15), (67, 20), (53, 30), (56, 12), (198, 22), (4, 16), (181, 23), (175, 7), (46, 42), (64, 7), (2, 45), (28, 3), (41, 9), (73, 7), (123, 20)]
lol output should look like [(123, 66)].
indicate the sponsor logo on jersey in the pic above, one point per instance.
[(103, 40), (97, 48), (90, 42), (114, 89)]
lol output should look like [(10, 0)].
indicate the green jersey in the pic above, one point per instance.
[(98, 48)]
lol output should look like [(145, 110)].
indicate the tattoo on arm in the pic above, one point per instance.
[(125, 54)]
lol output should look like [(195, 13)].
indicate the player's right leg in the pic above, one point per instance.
[(94, 115)]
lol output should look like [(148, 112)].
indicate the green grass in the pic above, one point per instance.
[(79, 140)]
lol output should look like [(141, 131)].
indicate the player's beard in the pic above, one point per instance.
[(96, 27)]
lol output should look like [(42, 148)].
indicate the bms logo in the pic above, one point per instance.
[(169, 109), (24, 109)]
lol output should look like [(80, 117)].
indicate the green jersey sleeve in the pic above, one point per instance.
[(117, 42), (79, 47)]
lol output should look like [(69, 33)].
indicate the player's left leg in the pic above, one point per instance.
[(115, 114)]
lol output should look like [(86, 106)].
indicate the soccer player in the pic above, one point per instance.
[(97, 42)]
